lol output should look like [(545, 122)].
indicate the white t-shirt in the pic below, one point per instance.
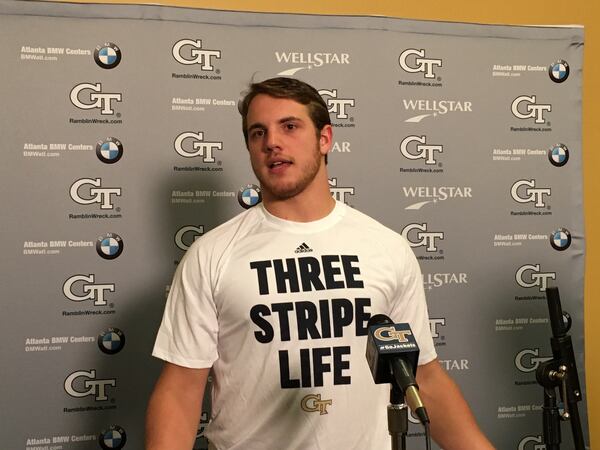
[(279, 310)]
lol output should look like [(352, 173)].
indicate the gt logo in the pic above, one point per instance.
[(421, 64), (433, 326), (339, 193), (97, 194), (313, 403), (197, 55), (425, 152), (532, 194), (537, 278), (537, 440), (391, 334), (96, 98), (94, 387), (91, 291), (335, 105), (197, 231), (425, 239), (199, 147), (532, 110), (527, 360)]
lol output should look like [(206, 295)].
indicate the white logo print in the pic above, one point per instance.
[(91, 291), (97, 194), (94, 387), (534, 277), (96, 98), (426, 152), (538, 443), (195, 231), (336, 105), (424, 238), (198, 55), (532, 194), (528, 360), (532, 109), (200, 147), (339, 193), (421, 64)]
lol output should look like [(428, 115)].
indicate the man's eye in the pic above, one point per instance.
[(290, 126), (257, 133)]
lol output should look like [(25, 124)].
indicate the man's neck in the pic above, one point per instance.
[(295, 211), (305, 207)]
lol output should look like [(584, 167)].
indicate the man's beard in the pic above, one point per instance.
[(282, 191)]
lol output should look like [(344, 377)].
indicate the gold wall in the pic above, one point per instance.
[(530, 12)]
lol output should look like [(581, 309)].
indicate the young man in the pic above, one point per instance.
[(276, 302)]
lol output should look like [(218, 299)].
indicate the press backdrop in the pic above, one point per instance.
[(122, 143)]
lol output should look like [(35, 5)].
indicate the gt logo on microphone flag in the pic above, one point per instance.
[(391, 334)]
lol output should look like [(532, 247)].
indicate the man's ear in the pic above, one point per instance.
[(325, 139)]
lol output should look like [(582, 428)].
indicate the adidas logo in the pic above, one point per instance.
[(303, 248)]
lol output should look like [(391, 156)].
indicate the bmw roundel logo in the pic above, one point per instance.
[(109, 150), (113, 439), (560, 239), (109, 246), (107, 55), (249, 196), (558, 155), (559, 71), (111, 341)]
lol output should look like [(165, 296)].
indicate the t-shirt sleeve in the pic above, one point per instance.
[(410, 305), (188, 332)]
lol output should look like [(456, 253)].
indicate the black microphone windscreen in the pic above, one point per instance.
[(379, 319)]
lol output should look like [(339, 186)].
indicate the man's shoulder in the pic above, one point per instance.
[(234, 228), (365, 221)]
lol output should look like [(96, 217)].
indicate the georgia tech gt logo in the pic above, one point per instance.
[(537, 278), (97, 193), (425, 238), (419, 63), (538, 443), (94, 387), (532, 110), (195, 231), (426, 152), (199, 146), (391, 334), (313, 403), (95, 292), (336, 105), (96, 98), (433, 326), (339, 193), (528, 359), (531, 193), (195, 55)]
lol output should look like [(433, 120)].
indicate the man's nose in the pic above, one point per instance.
[(273, 140)]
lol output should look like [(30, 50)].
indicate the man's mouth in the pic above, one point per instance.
[(276, 164)]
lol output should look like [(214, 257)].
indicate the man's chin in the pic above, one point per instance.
[(279, 193)]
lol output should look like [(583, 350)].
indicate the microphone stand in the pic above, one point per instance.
[(397, 418), (560, 371)]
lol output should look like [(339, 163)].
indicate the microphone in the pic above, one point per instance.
[(393, 354)]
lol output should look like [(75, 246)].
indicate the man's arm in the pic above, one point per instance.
[(453, 426), (174, 408)]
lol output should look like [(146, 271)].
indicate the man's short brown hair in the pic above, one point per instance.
[(290, 88)]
